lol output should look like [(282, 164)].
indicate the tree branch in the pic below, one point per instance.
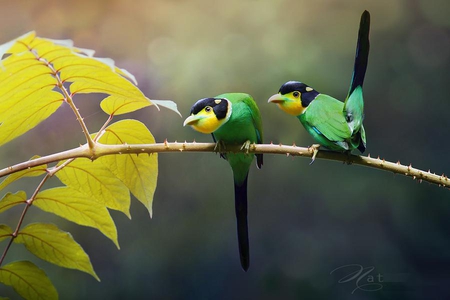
[(101, 149)]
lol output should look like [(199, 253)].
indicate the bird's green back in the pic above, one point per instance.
[(244, 125), (245, 120), (324, 116)]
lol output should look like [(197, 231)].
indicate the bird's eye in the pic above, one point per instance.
[(295, 94), (208, 108)]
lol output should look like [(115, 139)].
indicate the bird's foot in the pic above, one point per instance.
[(314, 149), (349, 159), (246, 146), (220, 148)]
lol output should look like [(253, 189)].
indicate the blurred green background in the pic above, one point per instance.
[(305, 221)]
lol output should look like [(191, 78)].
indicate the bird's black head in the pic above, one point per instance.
[(218, 105), (306, 92), (208, 114), (294, 97)]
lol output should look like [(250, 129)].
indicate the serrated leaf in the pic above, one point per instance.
[(138, 172), (78, 208), (96, 181), (10, 200), (31, 172), (49, 243), (5, 232), (28, 281)]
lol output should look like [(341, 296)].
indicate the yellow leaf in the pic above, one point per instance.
[(28, 281), (97, 182), (26, 89), (49, 243), (31, 172), (117, 105), (77, 207), (32, 76), (10, 200), (138, 172), (5, 232)]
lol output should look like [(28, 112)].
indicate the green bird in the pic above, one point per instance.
[(232, 119), (335, 125)]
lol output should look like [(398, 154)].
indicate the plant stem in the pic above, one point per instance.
[(66, 94), (102, 149), (28, 203)]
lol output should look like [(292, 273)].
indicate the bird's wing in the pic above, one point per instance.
[(325, 115), (257, 123)]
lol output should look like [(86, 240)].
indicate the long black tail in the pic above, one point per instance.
[(362, 53), (240, 198)]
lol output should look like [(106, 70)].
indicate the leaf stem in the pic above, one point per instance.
[(28, 203), (66, 94)]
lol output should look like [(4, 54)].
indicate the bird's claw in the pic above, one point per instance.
[(220, 148), (246, 146), (314, 149)]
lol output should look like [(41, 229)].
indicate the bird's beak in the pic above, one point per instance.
[(277, 98), (191, 120)]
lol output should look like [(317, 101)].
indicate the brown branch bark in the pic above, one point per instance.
[(101, 149)]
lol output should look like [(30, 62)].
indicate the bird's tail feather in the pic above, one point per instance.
[(354, 103), (240, 196), (362, 53)]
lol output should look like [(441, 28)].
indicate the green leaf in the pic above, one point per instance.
[(28, 281), (10, 200), (138, 172), (5, 232), (31, 172), (75, 206), (96, 181), (49, 243)]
